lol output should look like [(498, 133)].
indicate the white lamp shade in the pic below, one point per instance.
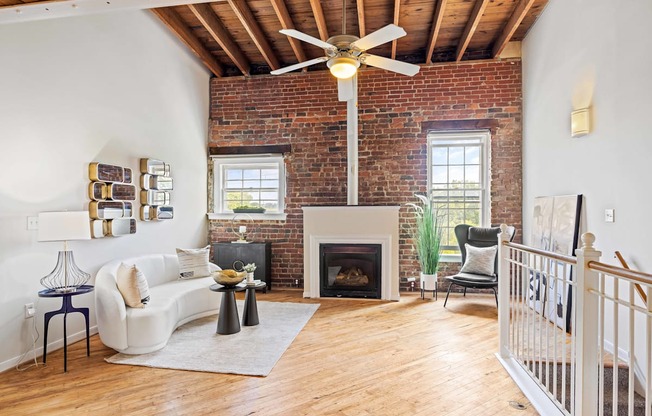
[(64, 226)]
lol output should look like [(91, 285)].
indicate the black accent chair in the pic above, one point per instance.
[(477, 237)]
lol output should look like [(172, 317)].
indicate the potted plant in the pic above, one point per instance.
[(427, 240), (248, 209), (250, 268)]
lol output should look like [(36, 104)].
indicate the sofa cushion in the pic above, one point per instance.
[(152, 325), (193, 262)]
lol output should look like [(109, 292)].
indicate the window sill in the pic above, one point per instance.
[(451, 258), (266, 217)]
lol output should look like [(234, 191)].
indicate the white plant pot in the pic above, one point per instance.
[(428, 281), (250, 277)]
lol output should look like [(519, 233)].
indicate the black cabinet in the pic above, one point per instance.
[(225, 254)]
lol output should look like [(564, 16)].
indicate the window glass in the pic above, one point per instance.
[(458, 170), (256, 181)]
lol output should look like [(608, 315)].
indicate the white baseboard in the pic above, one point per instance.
[(52, 346)]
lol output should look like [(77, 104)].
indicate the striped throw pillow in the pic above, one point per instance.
[(133, 286), (193, 262)]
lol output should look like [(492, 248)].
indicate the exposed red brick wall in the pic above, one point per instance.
[(302, 109)]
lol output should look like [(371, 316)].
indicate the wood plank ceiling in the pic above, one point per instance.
[(241, 37)]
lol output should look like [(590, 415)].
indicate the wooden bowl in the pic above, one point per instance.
[(229, 277)]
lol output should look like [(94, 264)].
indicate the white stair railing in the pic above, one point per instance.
[(560, 316)]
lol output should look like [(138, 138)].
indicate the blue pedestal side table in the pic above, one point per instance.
[(66, 308)]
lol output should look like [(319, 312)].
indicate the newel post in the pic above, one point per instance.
[(504, 280), (586, 329)]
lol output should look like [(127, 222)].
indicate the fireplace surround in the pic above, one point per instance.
[(351, 225)]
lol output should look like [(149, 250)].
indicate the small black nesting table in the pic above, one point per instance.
[(66, 308), (250, 314)]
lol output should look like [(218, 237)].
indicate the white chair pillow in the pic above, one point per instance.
[(132, 285), (479, 260), (193, 262)]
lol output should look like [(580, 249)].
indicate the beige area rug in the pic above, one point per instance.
[(253, 351)]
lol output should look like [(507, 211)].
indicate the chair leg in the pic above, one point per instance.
[(464, 291), (448, 293), (496, 295)]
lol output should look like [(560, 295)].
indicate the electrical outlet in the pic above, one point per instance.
[(30, 311), (609, 215), (296, 282), (32, 223)]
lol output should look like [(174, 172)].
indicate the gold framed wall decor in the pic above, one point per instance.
[(111, 193)]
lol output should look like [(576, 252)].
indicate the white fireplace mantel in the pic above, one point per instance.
[(351, 225)]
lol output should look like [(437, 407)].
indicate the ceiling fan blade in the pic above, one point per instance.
[(307, 38), (345, 89), (383, 35), (298, 66), (390, 64)]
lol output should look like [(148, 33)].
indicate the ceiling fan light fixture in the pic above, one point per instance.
[(343, 67)]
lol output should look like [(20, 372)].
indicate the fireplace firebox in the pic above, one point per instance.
[(350, 270)]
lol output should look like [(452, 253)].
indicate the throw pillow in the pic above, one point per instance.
[(479, 260), (133, 286), (193, 262)]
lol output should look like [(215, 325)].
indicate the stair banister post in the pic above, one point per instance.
[(586, 329), (504, 280)]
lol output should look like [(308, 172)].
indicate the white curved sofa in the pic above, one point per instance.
[(173, 303)]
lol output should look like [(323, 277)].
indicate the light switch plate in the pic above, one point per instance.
[(608, 215)]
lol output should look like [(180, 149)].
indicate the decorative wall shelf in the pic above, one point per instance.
[(155, 197), (110, 192)]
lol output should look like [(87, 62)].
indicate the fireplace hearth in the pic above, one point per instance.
[(350, 270)]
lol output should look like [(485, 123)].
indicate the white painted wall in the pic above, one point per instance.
[(597, 53), (110, 88)]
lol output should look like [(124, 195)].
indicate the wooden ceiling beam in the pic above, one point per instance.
[(397, 14), (172, 20), (362, 24), (216, 28), (513, 23), (248, 20), (318, 12), (436, 26), (470, 28), (286, 22)]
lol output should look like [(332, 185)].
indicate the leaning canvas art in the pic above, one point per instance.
[(555, 227)]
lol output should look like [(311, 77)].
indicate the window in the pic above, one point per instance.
[(457, 175), (255, 181)]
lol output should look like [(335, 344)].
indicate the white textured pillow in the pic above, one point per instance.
[(193, 262), (479, 260), (133, 286)]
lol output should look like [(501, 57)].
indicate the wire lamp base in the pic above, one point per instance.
[(66, 276)]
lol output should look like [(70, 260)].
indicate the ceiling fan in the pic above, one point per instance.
[(345, 53)]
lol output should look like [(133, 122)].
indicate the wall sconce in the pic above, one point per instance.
[(580, 122)]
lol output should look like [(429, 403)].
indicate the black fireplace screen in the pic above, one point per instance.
[(350, 270)]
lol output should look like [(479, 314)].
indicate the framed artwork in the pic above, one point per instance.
[(555, 227)]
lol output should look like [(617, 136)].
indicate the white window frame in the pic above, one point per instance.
[(484, 138), (258, 161)]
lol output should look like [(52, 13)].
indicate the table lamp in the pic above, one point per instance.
[(64, 226)]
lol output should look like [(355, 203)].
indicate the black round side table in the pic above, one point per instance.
[(66, 308), (228, 321)]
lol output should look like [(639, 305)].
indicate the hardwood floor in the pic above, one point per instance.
[(354, 357)]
